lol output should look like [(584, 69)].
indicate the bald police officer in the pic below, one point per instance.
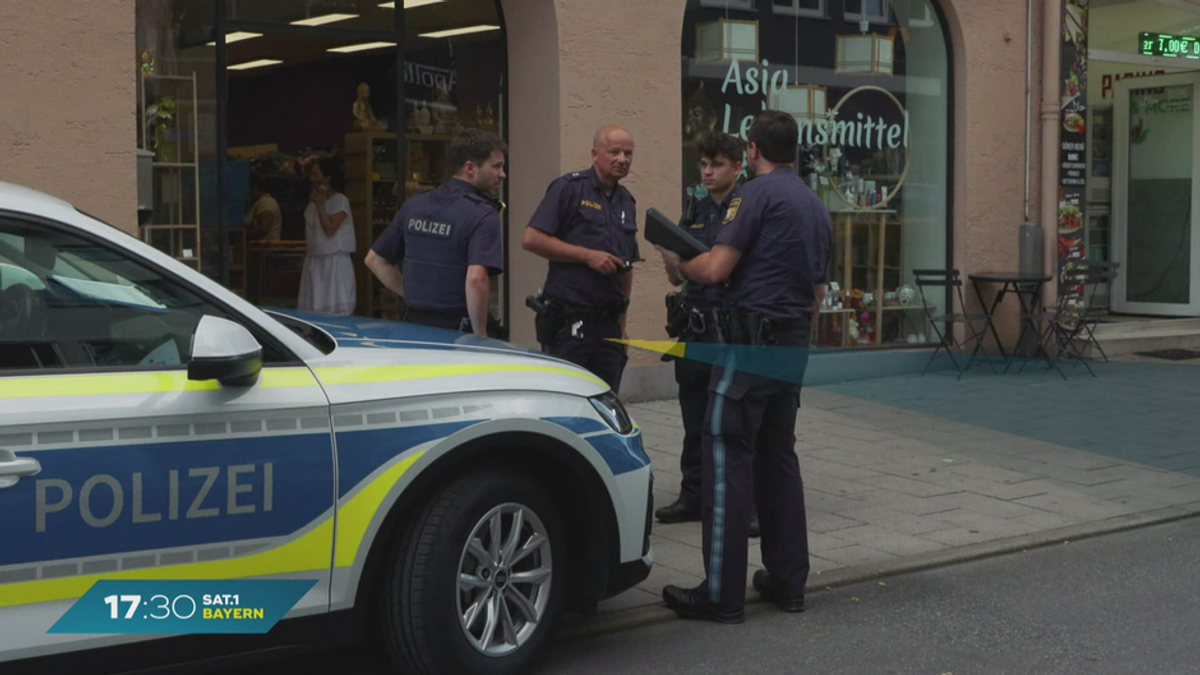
[(774, 247), (586, 226), (447, 242), (720, 169)]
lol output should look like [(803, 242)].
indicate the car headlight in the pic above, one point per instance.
[(613, 412)]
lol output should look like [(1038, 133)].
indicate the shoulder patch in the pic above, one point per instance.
[(575, 175), (732, 210)]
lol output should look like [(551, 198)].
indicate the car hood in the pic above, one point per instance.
[(378, 358)]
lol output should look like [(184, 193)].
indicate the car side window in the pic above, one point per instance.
[(68, 302)]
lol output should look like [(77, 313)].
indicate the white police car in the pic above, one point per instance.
[(454, 493)]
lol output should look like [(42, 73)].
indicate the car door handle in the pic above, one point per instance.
[(13, 468)]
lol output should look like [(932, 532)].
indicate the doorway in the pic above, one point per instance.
[(1156, 196)]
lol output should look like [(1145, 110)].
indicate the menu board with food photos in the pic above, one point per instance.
[(1072, 172)]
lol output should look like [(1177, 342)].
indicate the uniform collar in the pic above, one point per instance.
[(595, 178), (456, 187)]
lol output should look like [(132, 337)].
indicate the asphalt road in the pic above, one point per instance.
[(1123, 604)]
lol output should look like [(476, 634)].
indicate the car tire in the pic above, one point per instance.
[(427, 599)]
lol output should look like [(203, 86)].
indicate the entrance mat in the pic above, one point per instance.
[(1173, 354)]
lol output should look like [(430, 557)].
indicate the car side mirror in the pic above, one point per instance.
[(225, 351)]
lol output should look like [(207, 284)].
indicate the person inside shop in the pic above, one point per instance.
[(586, 226), (327, 280), (443, 246), (263, 221)]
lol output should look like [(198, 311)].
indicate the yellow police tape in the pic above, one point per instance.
[(307, 553), (112, 384)]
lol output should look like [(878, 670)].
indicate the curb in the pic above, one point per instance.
[(641, 617)]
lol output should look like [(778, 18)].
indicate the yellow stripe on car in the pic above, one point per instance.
[(307, 553), (356, 514)]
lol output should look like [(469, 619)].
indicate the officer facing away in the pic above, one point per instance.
[(448, 240), (586, 226), (690, 317), (774, 249)]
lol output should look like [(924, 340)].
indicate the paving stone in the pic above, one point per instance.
[(830, 523), (826, 469), (908, 486), (886, 516), (963, 537), (679, 557), (1044, 520), (972, 520), (857, 555), (634, 597), (818, 541), (839, 487), (1087, 510), (1005, 491), (982, 504), (987, 472)]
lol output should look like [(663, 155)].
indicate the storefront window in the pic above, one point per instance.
[(873, 109), (319, 82)]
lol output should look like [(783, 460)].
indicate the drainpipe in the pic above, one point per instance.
[(1028, 100), (1051, 110)]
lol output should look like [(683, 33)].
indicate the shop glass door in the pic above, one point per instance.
[(1155, 197)]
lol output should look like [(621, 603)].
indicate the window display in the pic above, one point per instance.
[(868, 84)]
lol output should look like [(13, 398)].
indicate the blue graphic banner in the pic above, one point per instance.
[(113, 606)]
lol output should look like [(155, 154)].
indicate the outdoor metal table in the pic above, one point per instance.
[(1019, 283)]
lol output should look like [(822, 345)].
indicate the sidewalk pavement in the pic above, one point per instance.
[(905, 473)]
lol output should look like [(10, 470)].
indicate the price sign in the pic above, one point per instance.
[(182, 607), (1171, 46)]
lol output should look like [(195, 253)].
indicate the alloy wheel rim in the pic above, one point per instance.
[(504, 579)]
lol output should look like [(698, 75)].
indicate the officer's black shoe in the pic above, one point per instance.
[(679, 512), (765, 585), (688, 603), (754, 531)]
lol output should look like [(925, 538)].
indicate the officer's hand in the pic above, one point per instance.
[(670, 258), (604, 262)]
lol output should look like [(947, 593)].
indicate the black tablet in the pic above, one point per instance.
[(662, 231)]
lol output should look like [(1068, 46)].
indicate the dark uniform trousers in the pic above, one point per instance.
[(590, 346), (433, 318), (749, 459), (692, 376), (451, 321)]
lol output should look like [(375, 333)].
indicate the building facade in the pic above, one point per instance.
[(931, 128)]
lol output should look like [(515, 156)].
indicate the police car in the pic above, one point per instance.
[(450, 494)]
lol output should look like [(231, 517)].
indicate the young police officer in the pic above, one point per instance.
[(586, 226), (449, 241), (774, 247), (720, 168)]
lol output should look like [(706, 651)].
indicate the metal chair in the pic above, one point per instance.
[(1070, 326), (952, 278)]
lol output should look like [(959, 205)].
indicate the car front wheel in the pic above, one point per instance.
[(477, 583)]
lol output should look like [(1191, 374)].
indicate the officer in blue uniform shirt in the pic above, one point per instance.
[(690, 317), (448, 242), (774, 248), (586, 226)]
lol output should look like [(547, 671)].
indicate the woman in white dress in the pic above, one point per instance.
[(327, 282)]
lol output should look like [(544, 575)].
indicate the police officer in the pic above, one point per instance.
[(774, 248), (447, 242), (586, 226), (720, 169)]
